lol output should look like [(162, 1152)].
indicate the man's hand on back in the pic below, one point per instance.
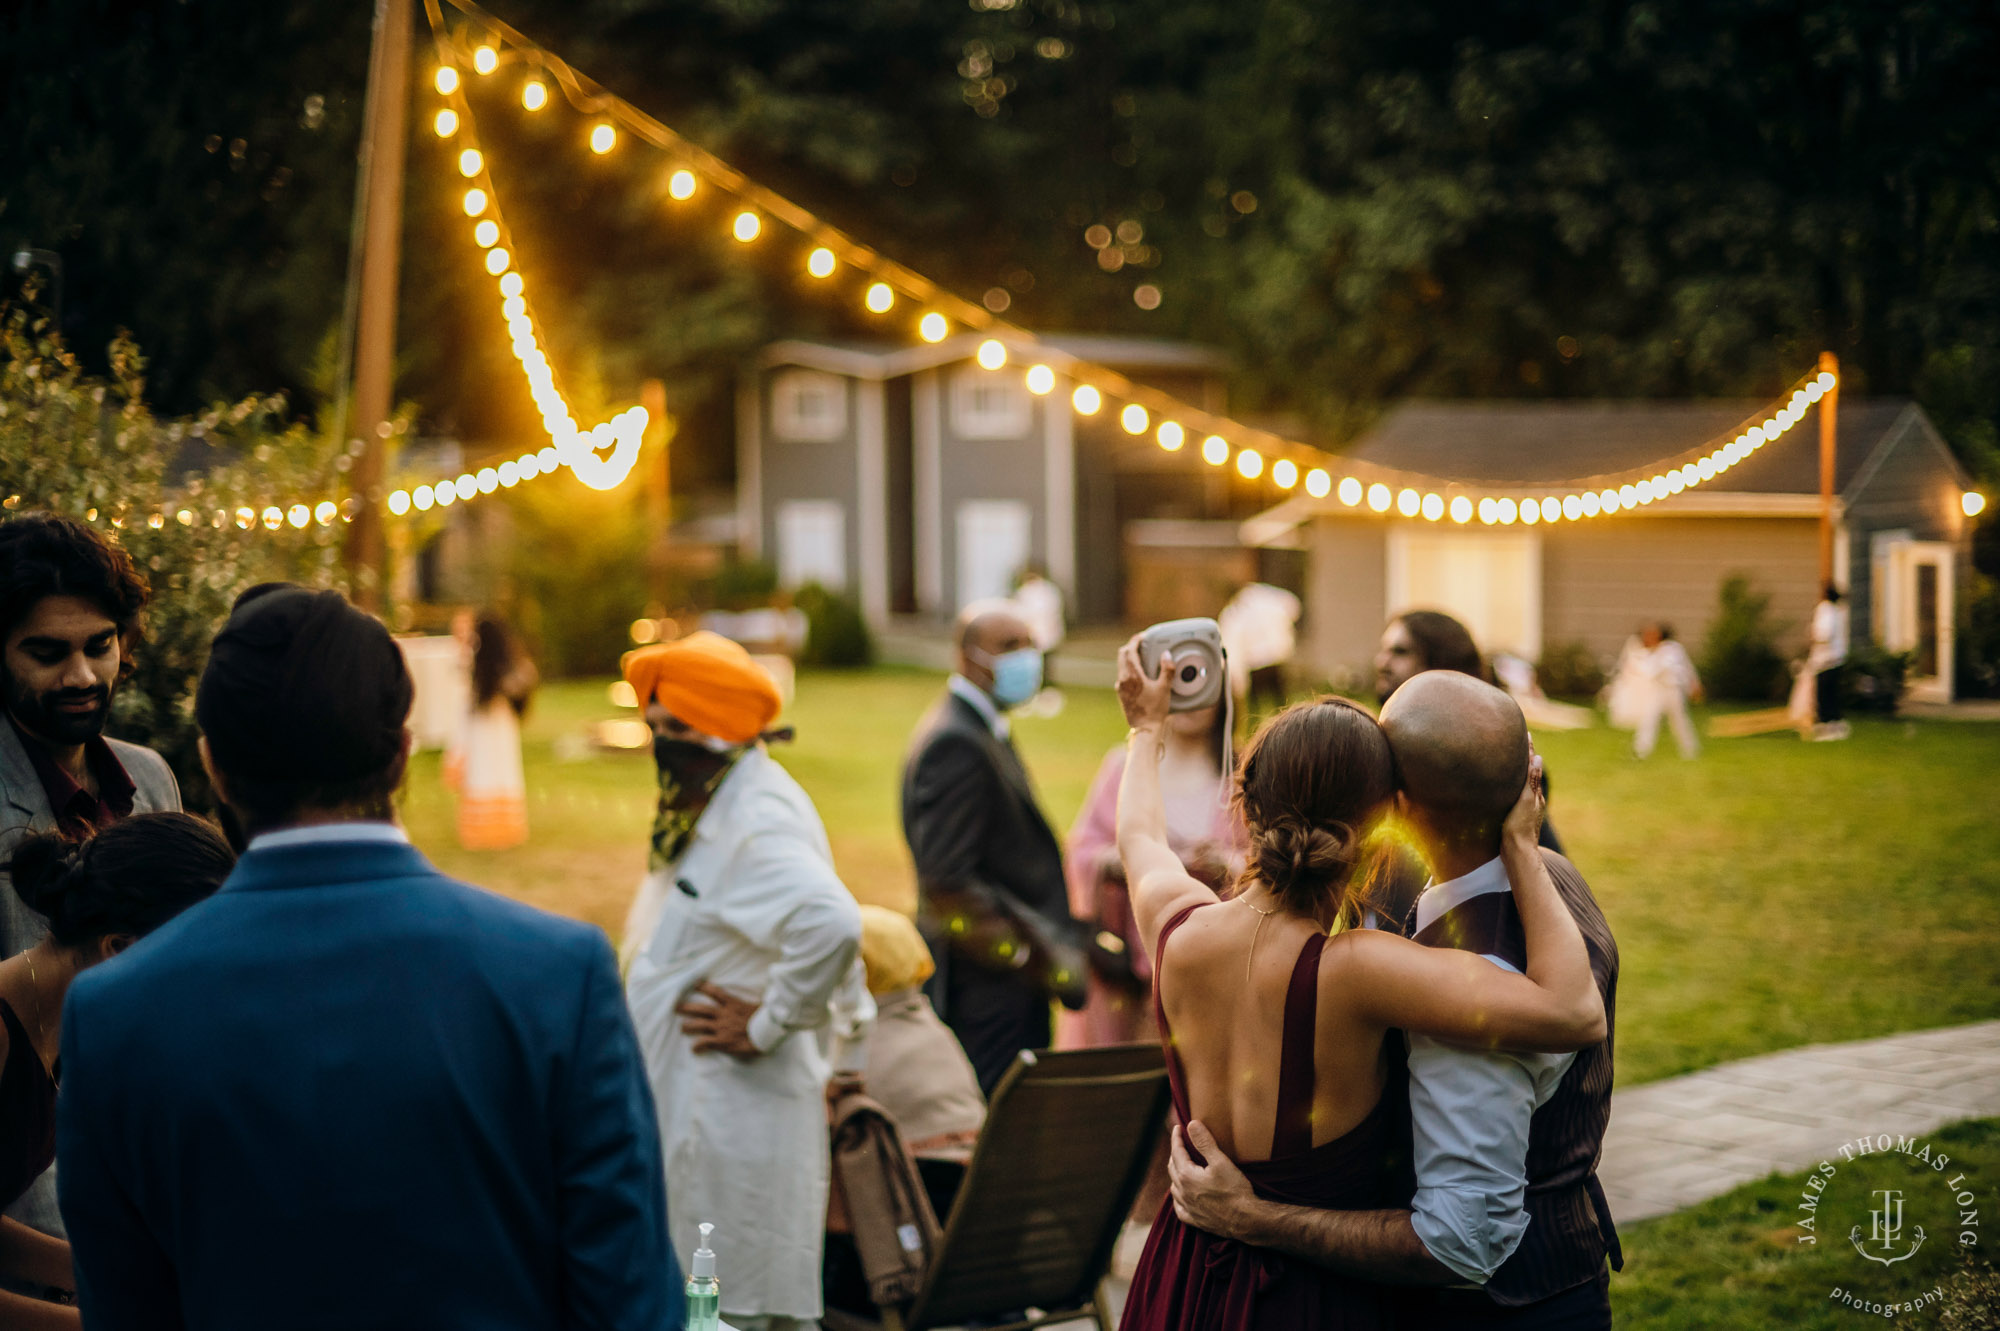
[(1214, 1196)]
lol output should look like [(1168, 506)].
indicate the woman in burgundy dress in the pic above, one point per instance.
[(1278, 1013), (99, 896)]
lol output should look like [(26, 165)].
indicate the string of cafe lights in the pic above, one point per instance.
[(1285, 464)]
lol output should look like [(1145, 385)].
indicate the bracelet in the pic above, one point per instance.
[(1160, 739)]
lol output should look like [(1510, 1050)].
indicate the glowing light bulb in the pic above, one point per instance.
[(487, 234), (1572, 507), (399, 502), (497, 260), (446, 80), (1552, 509), (933, 327), (1628, 496), (422, 498), (1826, 381), (1215, 450), (486, 60), (603, 138), (680, 185), (298, 515), (1086, 400), (1379, 497), (1284, 473), (1133, 418), (992, 354), (1350, 491), (1433, 507), (1489, 511), (1249, 464), (1461, 509), (1041, 380), (327, 509), (879, 298), (510, 474), (1408, 503), (534, 94), (475, 202), (1531, 512), (1592, 503), (1506, 510), (1815, 391), (469, 162), (468, 485), (510, 285), (820, 262), (488, 480), (746, 227), (446, 123), (1973, 502)]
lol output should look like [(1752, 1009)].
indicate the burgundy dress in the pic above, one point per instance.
[(1189, 1279), (27, 1112)]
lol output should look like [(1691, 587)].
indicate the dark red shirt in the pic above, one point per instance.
[(76, 809)]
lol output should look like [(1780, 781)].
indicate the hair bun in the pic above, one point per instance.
[(1294, 854), (40, 871)]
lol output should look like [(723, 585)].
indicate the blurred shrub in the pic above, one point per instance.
[(1873, 678), (743, 584), (1569, 670), (1739, 658), (1979, 640), (836, 634)]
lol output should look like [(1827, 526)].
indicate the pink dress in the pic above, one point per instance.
[(1116, 1014)]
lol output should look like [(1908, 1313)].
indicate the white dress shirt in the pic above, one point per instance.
[(1469, 1115), (981, 702), (331, 834)]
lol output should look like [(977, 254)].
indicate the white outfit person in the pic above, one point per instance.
[(751, 906), (1653, 684)]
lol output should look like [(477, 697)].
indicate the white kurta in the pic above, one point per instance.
[(753, 906)]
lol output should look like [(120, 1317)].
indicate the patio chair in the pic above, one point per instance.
[(1069, 1137)]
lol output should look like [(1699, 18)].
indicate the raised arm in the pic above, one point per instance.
[(1555, 1007), (1159, 884)]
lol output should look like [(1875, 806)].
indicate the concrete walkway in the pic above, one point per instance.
[(1681, 1141)]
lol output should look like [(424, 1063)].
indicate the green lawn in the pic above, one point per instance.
[(1771, 894), (1736, 1261)]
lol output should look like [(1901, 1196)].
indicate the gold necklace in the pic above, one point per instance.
[(35, 992), (1262, 915)]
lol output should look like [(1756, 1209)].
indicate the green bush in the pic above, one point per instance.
[(836, 634), (1569, 670), (1739, 658), (1872, 680), (204, 506), (576, 570), (1971, 1299), (1979, 640), (743, 584)]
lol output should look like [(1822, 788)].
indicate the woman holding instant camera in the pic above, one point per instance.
[(1203, 829)]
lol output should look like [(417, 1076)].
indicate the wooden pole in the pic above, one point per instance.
[(383, 141), (1828, 411), (659, 491)]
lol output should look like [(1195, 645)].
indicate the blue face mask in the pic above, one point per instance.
[(1017, 675)]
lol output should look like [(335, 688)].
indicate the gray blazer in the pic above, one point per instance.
[(24, 810)]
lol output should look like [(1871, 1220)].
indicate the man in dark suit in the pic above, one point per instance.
[(992, 901), (346, 1091)]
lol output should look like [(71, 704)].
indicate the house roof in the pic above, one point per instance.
[(1552, 443), (890, 360)]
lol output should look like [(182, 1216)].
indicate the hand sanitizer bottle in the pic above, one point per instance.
[(704, 1291)]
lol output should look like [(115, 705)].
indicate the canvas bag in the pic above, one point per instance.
[(878, 1198)]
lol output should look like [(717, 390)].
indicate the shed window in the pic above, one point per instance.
[(985, 405), (809, 406)]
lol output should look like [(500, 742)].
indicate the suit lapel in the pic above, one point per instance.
[(18, 783)]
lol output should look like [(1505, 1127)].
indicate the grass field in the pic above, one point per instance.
[(1737, 1261), (1769, 895)]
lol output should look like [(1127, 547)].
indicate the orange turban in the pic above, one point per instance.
[(708, 682)]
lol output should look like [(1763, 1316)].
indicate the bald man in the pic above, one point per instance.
[(991, 897), (1509, 1226)]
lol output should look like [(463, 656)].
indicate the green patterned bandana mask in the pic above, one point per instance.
[(689, 777)]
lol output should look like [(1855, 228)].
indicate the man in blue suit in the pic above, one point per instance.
[(346, 1091)]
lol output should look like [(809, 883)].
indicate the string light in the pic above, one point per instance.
[(880, 298), (399, 502), (1171, 436), (534, 94), (1461, 509), (470, 162), (681, 185), (486, 234), (486, 60), (745, 227), (1041, 380), (820, 262), (1318, 483), (1249, 464), (1134, 418), (1408, 503), (603, 138), (1973, 503), (1350, 491), (1215, 450), (1086, 400), (475, 202), (933, 327), (446, 80), (446, 123), (497, 260), (1433, 507), (1284, 473), (1378, 497), (992, 354)]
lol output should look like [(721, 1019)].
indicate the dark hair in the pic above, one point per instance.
[(43, 555), (495, 656), (1312, 784), (303, 704), (1833, 593), (1442, 642), (130, 878)]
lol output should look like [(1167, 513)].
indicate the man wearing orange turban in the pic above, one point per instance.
[(744, 948)]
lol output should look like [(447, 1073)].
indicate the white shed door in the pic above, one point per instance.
[(994, 538), (812, 543), (1490, 582)]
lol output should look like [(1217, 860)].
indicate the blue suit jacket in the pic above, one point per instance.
[(348, 1092)]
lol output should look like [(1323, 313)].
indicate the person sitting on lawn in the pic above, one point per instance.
[(751, 954), (1507, 1205)]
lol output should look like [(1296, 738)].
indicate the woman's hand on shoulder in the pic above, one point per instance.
[(1524, 820)]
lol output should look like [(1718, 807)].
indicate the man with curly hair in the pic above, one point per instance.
[(70, 603)]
